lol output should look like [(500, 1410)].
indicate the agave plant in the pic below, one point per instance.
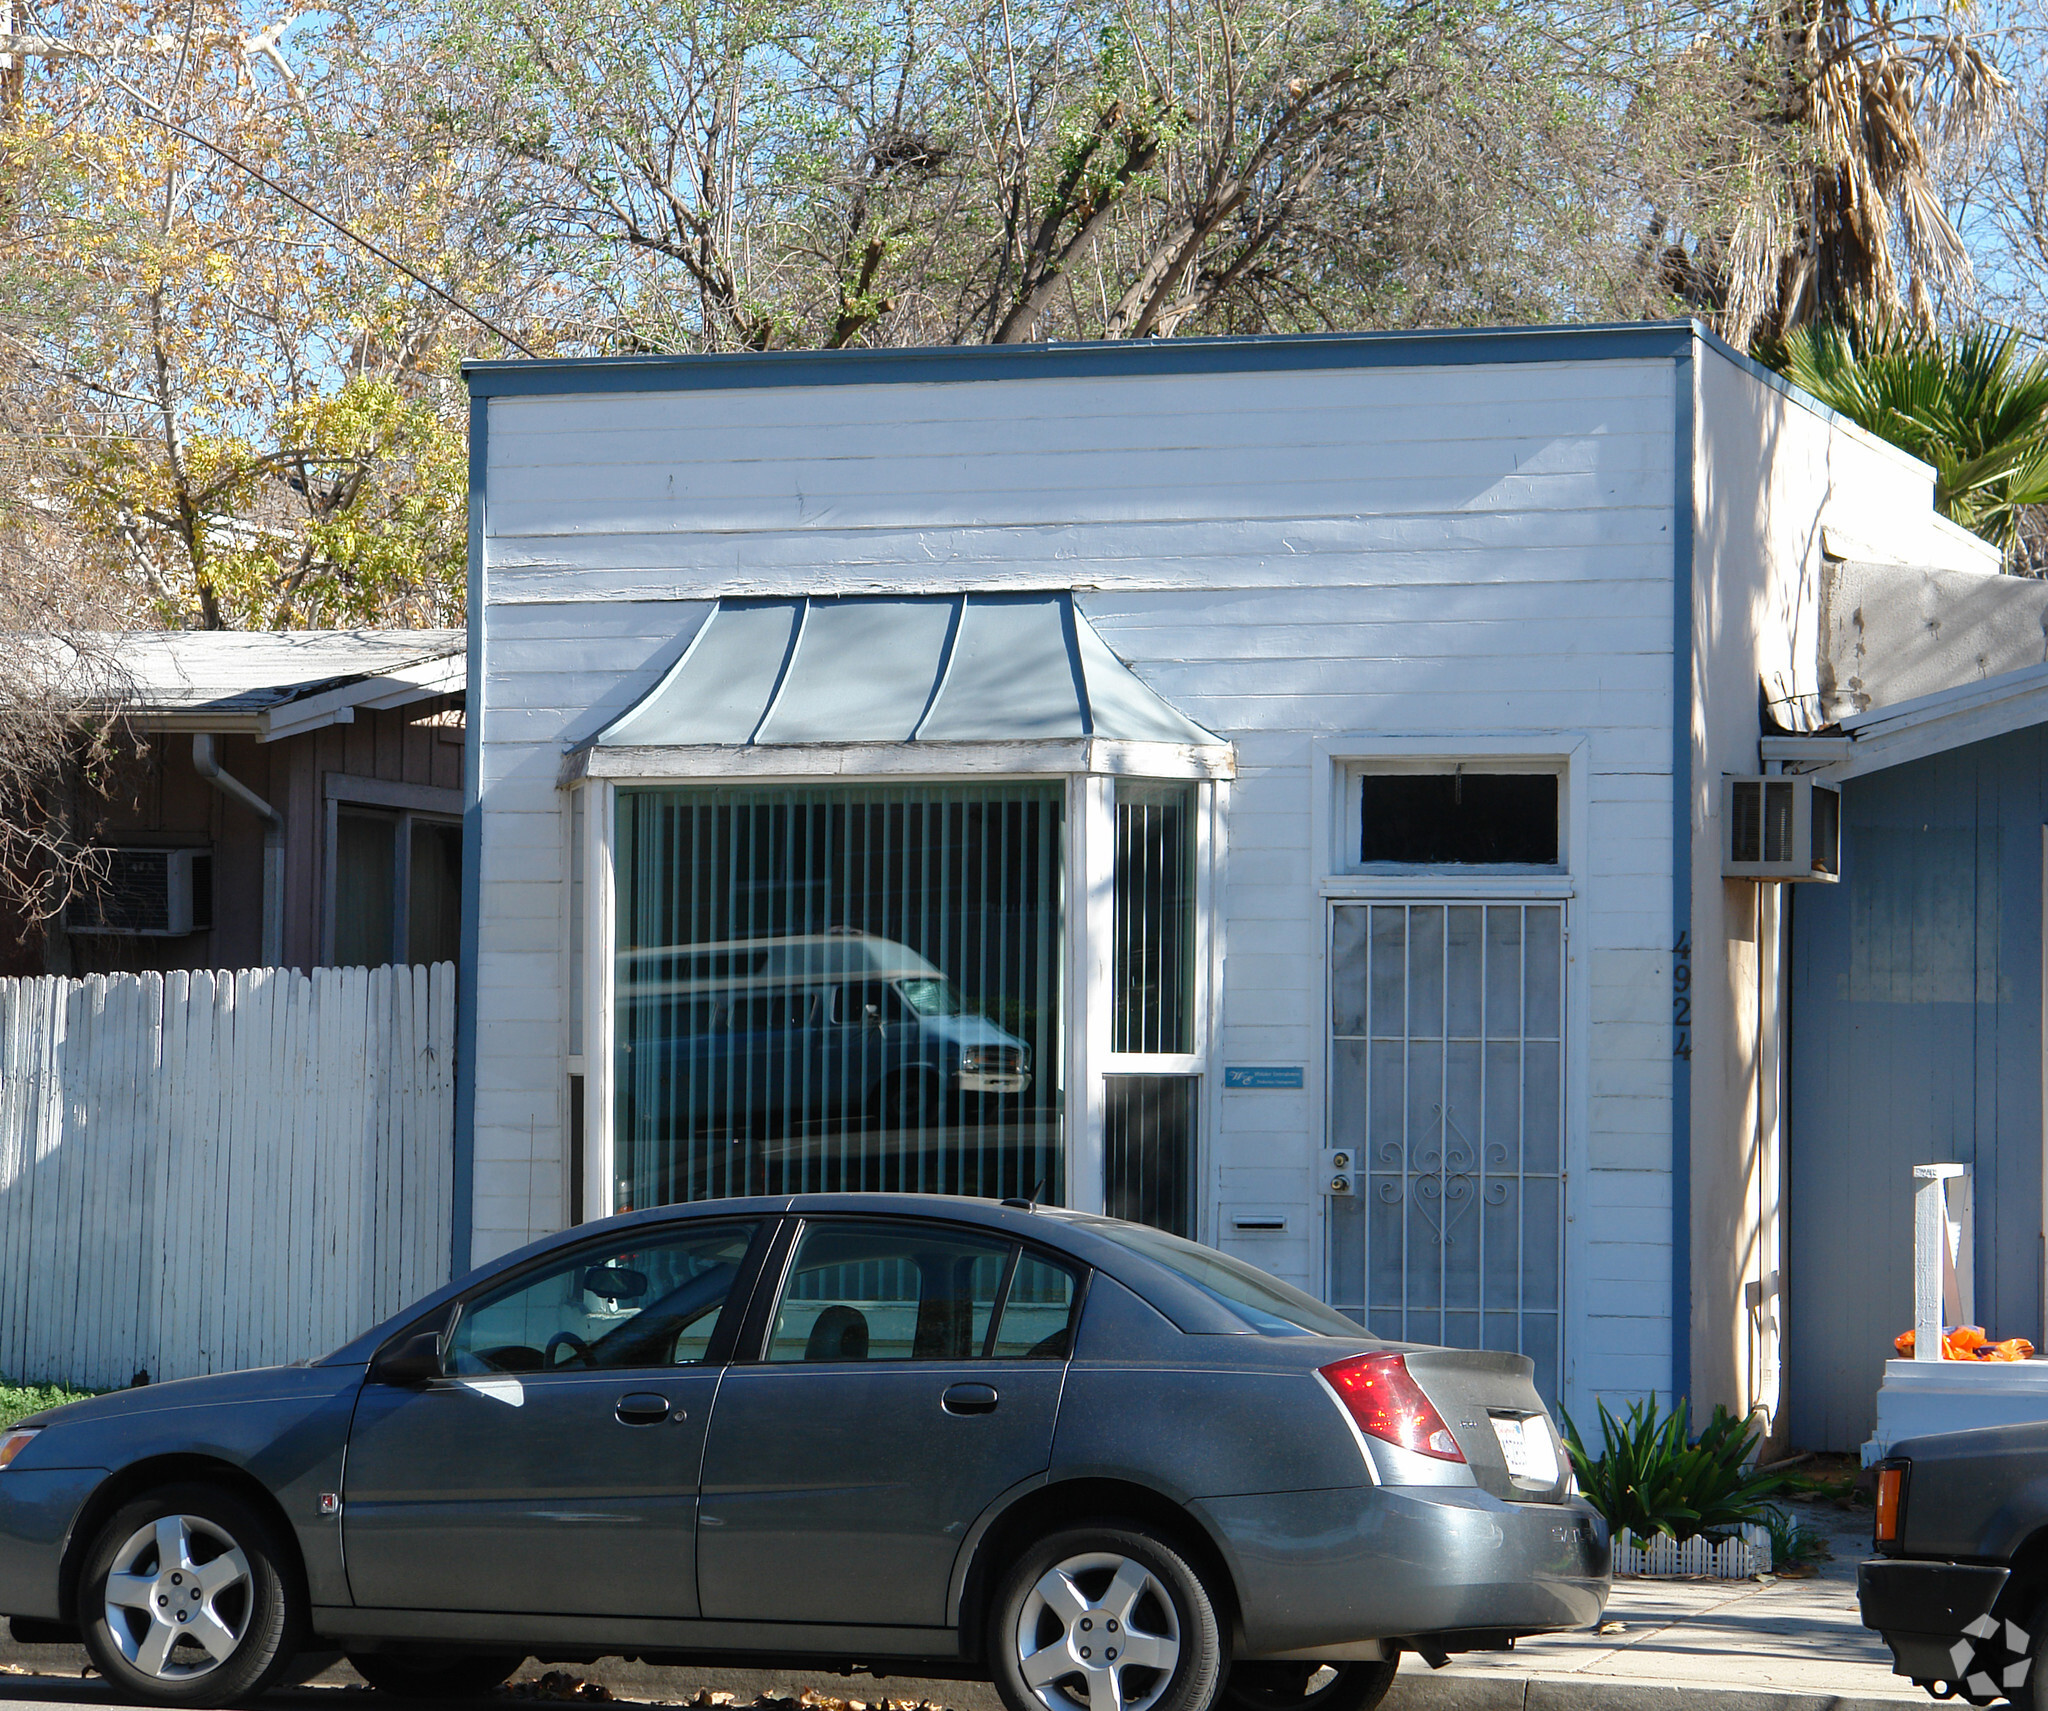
[(1973, 404), (1651, 1478)]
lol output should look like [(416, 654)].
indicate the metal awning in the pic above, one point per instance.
[(903, 671)]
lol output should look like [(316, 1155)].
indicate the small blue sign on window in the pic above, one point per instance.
[(1262, 1075)]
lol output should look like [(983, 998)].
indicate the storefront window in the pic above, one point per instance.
[(838, 987)]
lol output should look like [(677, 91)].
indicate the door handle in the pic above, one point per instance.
[(642, 1408), (969, 1399)]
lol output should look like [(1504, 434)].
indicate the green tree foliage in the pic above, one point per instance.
[(1972, 404), (734, 174)]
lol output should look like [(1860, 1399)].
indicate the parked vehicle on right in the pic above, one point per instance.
[(1959, 1587)]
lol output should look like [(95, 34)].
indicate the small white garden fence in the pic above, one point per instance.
[(1745, 1552), (201, 1172)]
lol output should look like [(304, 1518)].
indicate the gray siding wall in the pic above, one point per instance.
[(1916, 1030)]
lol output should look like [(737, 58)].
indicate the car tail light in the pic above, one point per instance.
[(15, 1442), (1383, 1397), (1891, 1502)]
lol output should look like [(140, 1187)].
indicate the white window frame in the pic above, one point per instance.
[(1089, 903)]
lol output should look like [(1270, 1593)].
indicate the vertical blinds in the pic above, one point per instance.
[(1153, 971), (839, 987)]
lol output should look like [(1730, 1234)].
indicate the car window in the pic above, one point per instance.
[(653, 1299), (1036, 1312), (888, 1290), (1263, 1302), (870, 1001)]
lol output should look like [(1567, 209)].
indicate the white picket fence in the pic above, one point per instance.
[(201, 1172), (1743, 1553)]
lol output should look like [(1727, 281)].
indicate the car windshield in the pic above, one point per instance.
[(931, 997), (1270, 1307)]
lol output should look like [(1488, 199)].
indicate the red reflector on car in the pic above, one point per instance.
[(1383, 1397)]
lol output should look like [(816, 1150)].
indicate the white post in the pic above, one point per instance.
[(600, 1187), (1934, 1257)]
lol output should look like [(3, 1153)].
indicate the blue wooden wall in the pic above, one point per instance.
[(1916, 1037)]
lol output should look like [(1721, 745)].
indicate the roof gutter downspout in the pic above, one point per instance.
[(207, 765)]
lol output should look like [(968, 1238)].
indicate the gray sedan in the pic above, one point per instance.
[(1106, 1468)]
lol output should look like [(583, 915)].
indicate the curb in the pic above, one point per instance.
[(1454, 1692)]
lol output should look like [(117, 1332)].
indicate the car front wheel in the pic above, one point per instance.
[(188, 1599), (1109, 1617)]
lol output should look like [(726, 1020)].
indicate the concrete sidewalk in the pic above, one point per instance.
[(1719, 1645)]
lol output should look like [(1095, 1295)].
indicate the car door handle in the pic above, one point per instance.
[(969, 1399), (642, 1408)]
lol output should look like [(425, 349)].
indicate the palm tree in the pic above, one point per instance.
[(1972, 404), (1824, 123)]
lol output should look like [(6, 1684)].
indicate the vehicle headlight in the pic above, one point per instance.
[(15, 1442)]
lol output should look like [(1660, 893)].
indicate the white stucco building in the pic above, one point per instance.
[(1270, 787)]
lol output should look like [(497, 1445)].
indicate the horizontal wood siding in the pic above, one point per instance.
[(1478, 551), (202, 1172)]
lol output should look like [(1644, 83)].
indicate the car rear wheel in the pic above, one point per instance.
[(188, 1599), (1307, 1686), (432, 1675), (1109, 1617)]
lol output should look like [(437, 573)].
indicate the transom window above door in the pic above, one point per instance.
[(1477, 815)]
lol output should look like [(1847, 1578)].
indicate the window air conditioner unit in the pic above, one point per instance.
[(1782, 828), (153, 894)]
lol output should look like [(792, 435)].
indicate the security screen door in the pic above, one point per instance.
[(1446, 1080)]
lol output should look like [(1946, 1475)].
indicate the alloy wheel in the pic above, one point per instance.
[(178, 1597), (1098, 1631)]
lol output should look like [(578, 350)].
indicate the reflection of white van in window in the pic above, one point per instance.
[(753, 1032)]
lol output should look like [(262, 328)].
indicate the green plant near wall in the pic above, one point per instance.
[(19, 1401), (1651, 1477)]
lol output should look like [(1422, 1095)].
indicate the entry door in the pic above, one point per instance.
[(554, 1467), (1446, 1080), (912, 1376)]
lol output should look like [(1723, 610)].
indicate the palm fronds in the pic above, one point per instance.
[(1972, 404)]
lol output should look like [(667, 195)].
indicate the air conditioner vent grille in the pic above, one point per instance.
[(1782, 828)]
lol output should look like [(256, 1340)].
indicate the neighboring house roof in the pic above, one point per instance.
[(1926, 725), (773, 674), (277, 683)]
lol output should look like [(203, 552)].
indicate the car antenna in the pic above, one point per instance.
[(1026, 1202)]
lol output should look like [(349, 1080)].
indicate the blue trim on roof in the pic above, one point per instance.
[(1682, 457), (462, 1219), (1088, 359)]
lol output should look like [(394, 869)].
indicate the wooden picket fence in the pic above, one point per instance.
[(201, 1172)]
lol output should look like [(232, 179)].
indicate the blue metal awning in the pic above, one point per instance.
[(939, 668)]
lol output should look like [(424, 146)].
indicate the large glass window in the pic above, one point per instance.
[(838, 987)]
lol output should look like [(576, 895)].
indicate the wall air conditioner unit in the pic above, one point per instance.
[(151, 894), (1782, 828)]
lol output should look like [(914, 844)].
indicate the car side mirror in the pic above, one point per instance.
[(413, 1361)]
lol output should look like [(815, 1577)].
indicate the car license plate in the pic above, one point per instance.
[(1527, 1448)]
